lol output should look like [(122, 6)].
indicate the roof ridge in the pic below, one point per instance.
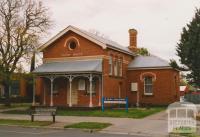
[(85, 32), (96, 37)]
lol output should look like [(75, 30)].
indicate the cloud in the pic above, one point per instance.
[(158, 22)]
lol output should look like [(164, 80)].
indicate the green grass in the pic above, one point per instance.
[(26, 123), (89, 125), (121, 113), (21, 112), (132, 113), (184, 135), (15, 105)]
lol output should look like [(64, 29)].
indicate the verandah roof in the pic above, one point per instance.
[(70, 66)]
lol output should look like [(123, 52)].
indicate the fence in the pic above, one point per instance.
[(194, 98)]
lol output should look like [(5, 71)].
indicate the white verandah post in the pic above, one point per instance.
[(70, 91), (51, 101), (100, 91), (90, 79)]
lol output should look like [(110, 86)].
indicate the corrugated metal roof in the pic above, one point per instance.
[(148, 62), (70, 66), (108, 42)]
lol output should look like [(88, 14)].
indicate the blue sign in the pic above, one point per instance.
[(114, 101)]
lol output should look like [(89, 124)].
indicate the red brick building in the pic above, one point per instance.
[(79, 68)]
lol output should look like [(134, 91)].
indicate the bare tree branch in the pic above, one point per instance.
[(22, 22)]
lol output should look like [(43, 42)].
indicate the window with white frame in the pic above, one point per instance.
[(110, 65), (148, 85), (120, 67), (81, 84), (115, 67)]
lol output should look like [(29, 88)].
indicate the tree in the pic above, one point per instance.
[(32, 62), (174, 64), (188, 49), (143, 52), (22, 22)]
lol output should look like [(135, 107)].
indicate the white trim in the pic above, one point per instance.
[(148, 94), (76, 30)]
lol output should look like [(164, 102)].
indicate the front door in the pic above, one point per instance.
[(74, 95)]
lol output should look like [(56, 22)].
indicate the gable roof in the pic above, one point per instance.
[(142, 62), (103, 42)]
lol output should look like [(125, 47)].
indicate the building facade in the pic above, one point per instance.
[(79, 68)]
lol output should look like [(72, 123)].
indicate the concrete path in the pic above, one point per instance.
[(155, 125)]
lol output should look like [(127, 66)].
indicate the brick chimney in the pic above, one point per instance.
[(133, 40)]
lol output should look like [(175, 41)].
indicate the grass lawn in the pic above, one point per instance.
[(132, 113), (27, 123), (89, 125), (15, 105), (184, 135)]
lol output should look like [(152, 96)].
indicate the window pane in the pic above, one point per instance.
[(148, 85), (110, 65), (81, 84), (148, 80), (55, 86), (148, 88)]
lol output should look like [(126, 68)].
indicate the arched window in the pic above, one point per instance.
[(148, 85)]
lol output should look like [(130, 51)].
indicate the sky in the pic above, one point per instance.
[(159, 22)]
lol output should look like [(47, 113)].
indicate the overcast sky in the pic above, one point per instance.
[(159, 22)]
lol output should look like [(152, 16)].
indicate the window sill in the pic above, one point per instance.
[(148, 95)]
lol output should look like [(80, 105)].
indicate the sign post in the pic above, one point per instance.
[(114, 101)]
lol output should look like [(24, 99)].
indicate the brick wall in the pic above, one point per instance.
[(165, 87)]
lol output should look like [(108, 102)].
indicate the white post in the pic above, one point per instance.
[(90, 105), (51, 103), (70, 91), (33, 104), (100, 88)]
